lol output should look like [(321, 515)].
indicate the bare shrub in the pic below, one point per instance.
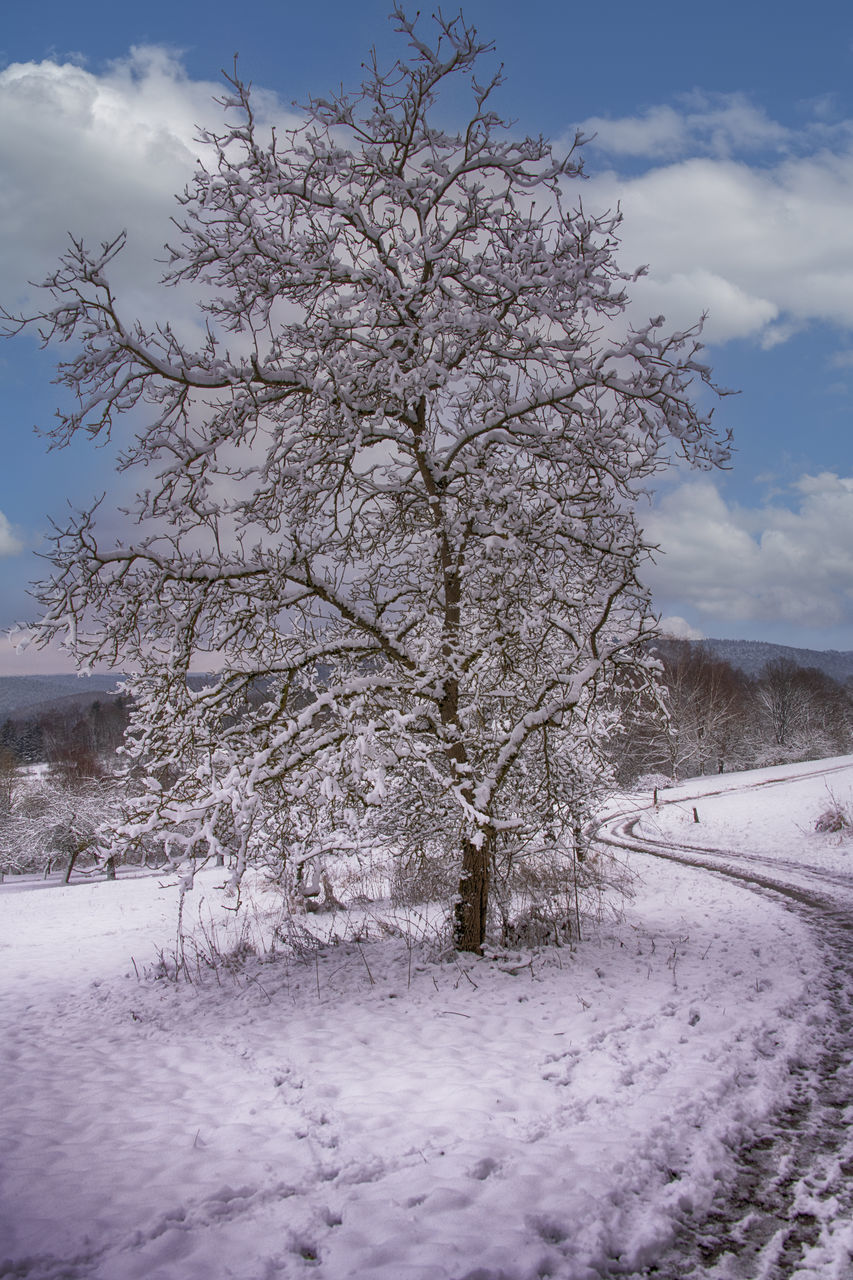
[(548, 924), (837, 818), (422, 877)]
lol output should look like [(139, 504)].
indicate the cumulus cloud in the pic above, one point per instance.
[(714, 123), (92, 154), (677, 628), (734, 214), (789, 561), (9, 544)]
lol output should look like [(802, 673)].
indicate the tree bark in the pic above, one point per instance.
[(472, 903)]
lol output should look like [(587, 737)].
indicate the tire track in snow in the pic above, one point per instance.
[(789, 1210)]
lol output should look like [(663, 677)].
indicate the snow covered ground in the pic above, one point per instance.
[(374, 1113), (778, 822)]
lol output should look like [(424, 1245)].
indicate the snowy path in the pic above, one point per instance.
[(369, 1113), (789, 1209)]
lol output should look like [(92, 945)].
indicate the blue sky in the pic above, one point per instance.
[(729, 146)]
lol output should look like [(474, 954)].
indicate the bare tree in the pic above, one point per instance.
[(806, 712), (781, 695), (396, 480), (828, 714), (8, 781), (709, 707)]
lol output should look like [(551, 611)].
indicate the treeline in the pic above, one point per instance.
[(714, 718), (50, 818), (707, 716), (711, 717), (79, 738)]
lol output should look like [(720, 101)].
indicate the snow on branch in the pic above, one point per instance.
[(388, 497)]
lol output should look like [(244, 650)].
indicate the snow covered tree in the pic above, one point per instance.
[(781, 695), (393, 486), (53, 822)]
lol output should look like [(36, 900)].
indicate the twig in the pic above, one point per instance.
[(366, 965)]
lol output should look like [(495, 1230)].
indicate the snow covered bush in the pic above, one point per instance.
[(393, 486), (837, 818), (653, 782)]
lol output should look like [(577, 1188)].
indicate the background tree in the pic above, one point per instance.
[(709, 710), (54, 821), (24, 738), (705, 714), (805, 712), (9, 773), (8, 787), (396, 479), (828, 718)]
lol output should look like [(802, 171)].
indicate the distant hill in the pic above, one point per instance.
[(21, 695), (752, 655), (33, 696)]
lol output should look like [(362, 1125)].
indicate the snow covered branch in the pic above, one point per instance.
[(389, 497)]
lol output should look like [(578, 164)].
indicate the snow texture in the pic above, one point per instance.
[(370, 1112)]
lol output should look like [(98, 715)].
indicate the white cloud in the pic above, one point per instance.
[(9, 544), (790, 562), (716, 124), (842, 360), (94, 153), (678, 628), (731, 311), (659, 131), (734, 215), (764, 247)]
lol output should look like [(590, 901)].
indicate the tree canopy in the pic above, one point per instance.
[(389, 495)]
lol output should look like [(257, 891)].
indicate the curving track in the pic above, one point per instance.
[(789, 1213)]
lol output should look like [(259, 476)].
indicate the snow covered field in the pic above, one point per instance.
[(779, 824), (371, 1112)]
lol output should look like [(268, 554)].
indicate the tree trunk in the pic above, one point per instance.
[(470, 911)]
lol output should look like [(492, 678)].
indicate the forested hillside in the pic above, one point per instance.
[(752, 655), (21, 693), (717, 717)]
